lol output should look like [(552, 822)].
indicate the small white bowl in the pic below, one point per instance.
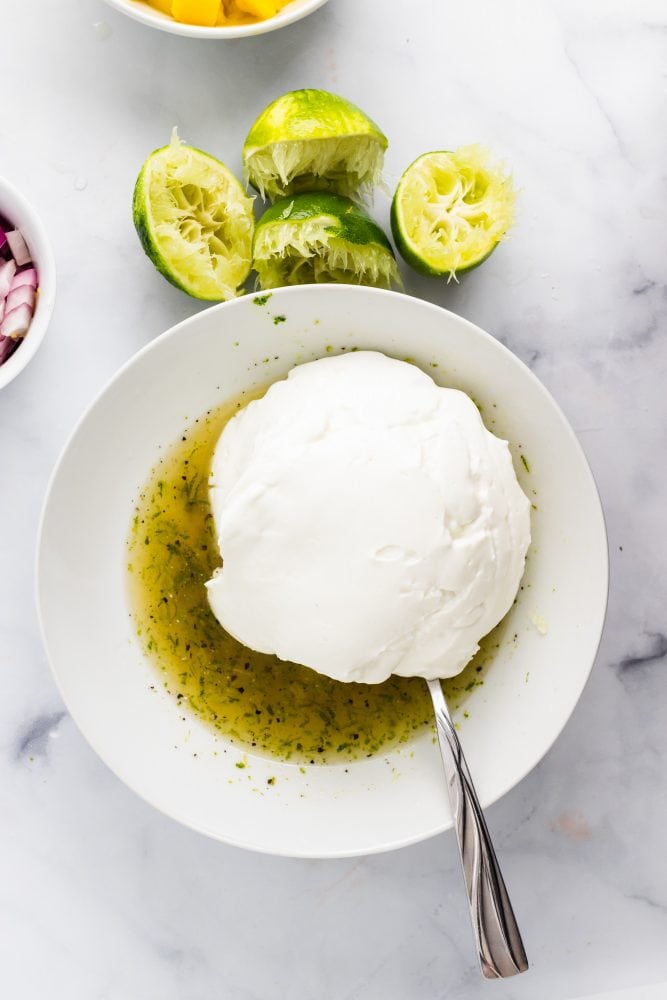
[(176, 762), (146, 14), (20, 213)]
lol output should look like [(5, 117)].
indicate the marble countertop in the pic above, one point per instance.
[(101, 897)]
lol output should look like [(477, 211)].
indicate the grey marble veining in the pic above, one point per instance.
[(102, 898)]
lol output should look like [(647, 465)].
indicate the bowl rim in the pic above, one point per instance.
[(532, 760), (154, 19), (46, 267)]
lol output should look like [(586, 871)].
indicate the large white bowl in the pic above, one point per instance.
[(155, 19), (376, 804), (20, 213)]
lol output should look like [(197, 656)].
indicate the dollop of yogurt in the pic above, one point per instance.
[(368, 522)]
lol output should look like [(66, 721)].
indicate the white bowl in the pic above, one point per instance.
[(375, 804), (21, 214), (155, 19)]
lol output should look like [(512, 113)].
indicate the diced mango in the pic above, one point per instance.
[(203, 12), (259, 8), (162, 5)]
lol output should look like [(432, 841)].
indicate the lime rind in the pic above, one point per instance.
[(310, 114), (312, 140), (195, 221), (451, 209), (321, 238), (351, 221)]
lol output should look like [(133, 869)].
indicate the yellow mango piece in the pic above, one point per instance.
[(203, 12), (259, 8), (162, 5)]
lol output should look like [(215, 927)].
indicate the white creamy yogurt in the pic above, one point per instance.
[(369, 523)]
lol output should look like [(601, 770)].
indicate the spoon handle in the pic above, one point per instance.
[(499, 945)]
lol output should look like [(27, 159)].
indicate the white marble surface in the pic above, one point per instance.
[(101, 898)]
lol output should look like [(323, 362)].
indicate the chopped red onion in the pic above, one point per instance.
[(16, 322), (7, 347), (27, 277), (18, 290), (7, 272), (24, 295), (18, 247)]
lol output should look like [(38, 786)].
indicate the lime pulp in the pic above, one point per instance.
[(194, 220), (450, 210), (319, 237)]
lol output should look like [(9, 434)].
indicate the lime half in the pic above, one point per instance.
[(194, 220), (321, 237), (311, 140), (451, 210)]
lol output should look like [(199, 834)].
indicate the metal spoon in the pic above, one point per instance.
[(499, 945)]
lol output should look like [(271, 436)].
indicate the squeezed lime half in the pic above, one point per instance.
[(451, 209), (321, 237), (312, 140), (194, 220)]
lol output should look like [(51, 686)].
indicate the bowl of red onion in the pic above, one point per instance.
[(27, 282)]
